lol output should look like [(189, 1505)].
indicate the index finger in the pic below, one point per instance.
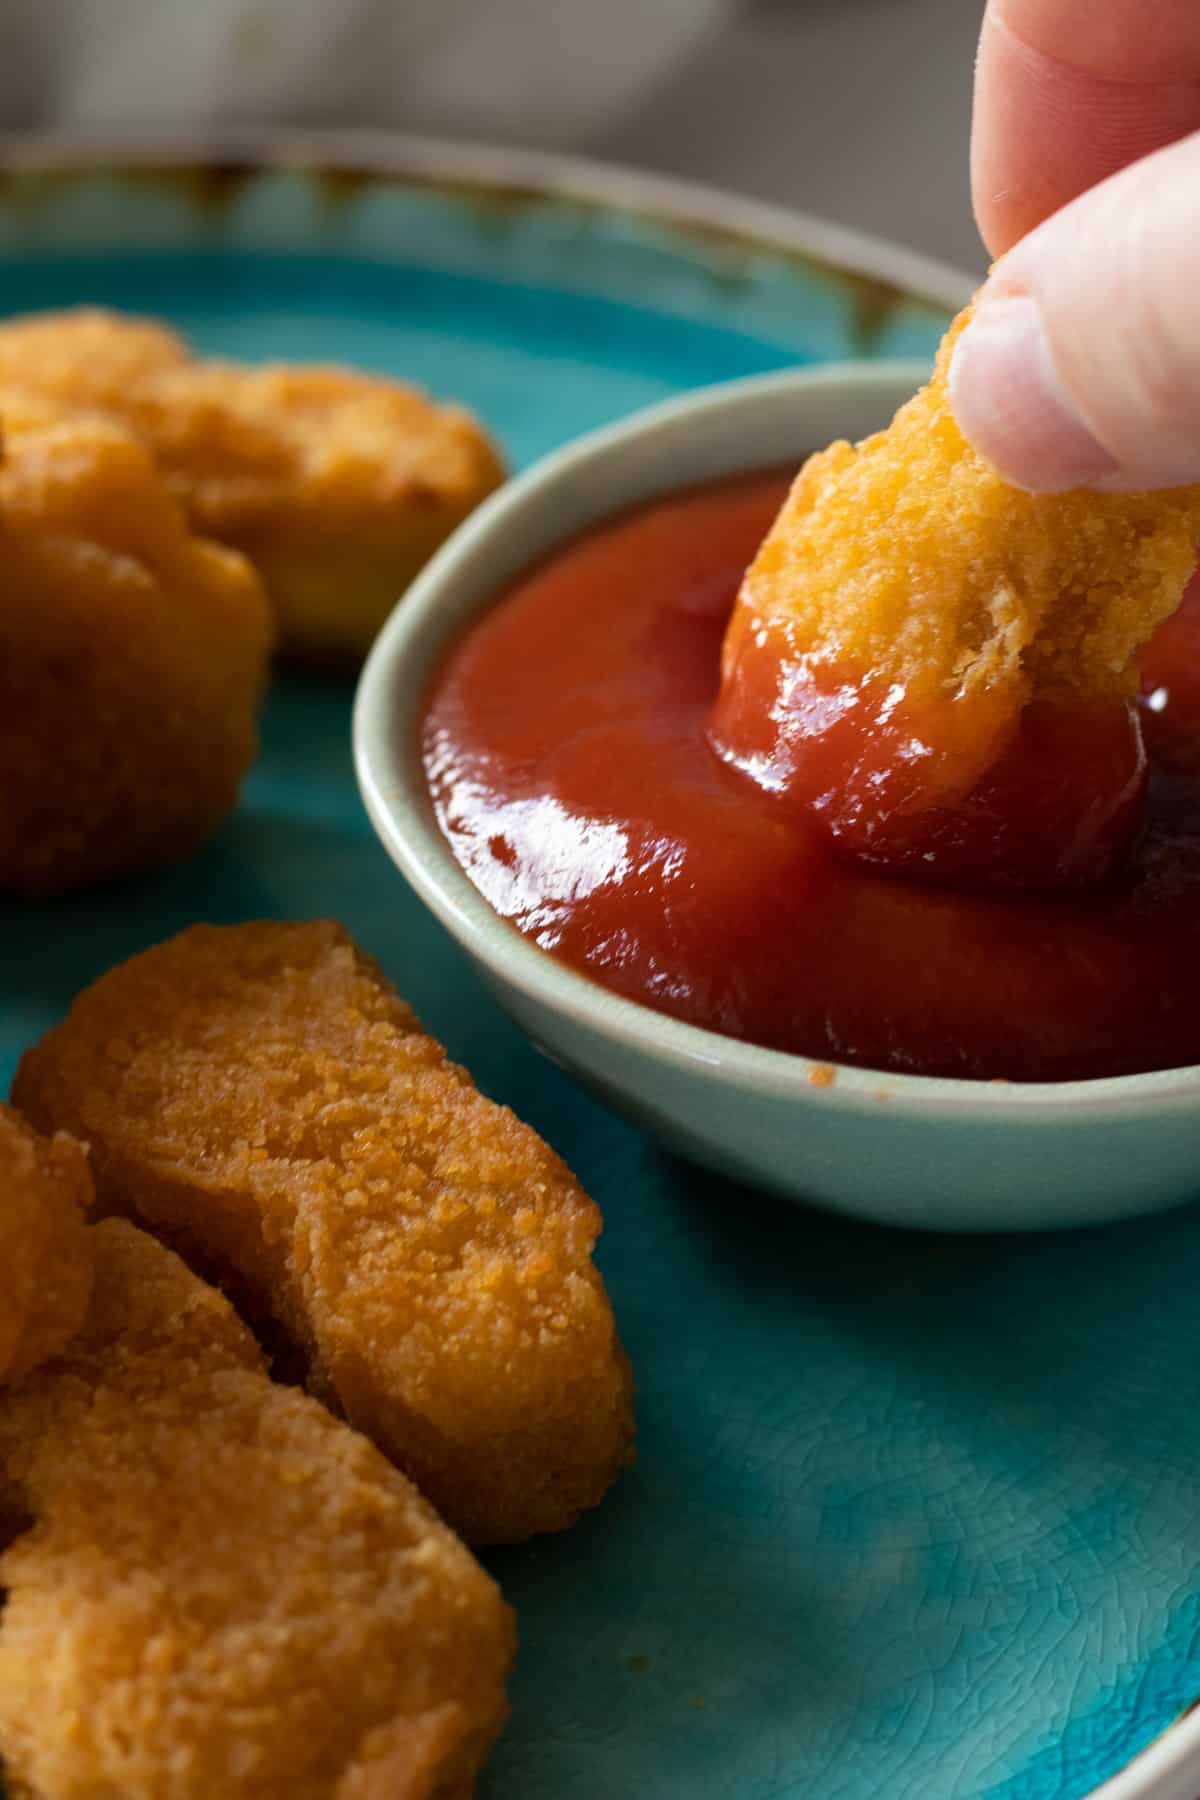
[(1068, 92)]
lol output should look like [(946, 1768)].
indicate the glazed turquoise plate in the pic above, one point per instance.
[(914, 1518)]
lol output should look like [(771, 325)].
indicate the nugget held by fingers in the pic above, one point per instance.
[(132, 658), (261, 1097), (212, 1586), (336, 484), (919, 647)]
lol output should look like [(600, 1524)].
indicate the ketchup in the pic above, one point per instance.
[(1053, 795), (568, 751)]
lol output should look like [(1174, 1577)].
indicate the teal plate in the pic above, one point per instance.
[(913, 1517)]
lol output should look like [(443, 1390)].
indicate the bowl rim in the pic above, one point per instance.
[(399, 809)]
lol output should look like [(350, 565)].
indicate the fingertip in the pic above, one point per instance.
[(1004, 208), (1051, 119), (1011, 404)]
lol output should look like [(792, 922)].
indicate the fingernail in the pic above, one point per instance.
[(1010, 402)]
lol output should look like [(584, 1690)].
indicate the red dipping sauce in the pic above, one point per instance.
[(566, 742)]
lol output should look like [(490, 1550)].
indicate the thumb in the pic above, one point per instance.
[(1081, 367)]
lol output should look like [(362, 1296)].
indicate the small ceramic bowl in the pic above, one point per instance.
[(902, 1149)]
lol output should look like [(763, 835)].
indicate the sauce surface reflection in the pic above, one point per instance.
[(566, 741)]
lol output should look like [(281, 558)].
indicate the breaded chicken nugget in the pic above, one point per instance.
[(261, 1097), (45, 1253), (87, 358), (226, 1592), (909, 596), (337, 485), (132, 658)]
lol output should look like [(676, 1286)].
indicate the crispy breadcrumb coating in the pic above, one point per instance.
[(86, 357), (337, 485), (226, 1592), (908, 558), (132, 658), (261, 1097), (940, 668), (45, 1250)]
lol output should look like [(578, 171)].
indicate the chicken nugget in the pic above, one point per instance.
[(87, 359), (44, 1248), (337, 485), (225, 1591), (261, 1097), (918, 646), (132, 658)]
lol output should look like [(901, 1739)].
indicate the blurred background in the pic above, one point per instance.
[(854, 109)]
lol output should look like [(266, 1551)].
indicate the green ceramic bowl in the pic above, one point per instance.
[(901, 1149)]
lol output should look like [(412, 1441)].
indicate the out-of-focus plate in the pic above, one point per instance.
[(912, 1517)]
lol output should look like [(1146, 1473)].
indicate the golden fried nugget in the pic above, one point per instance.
[(261, 1097), (908, 595), (87, 359), (226, 1591), (337, 485), (909, 557), (132, 658), (45, 1250)]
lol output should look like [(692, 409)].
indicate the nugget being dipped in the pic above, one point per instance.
[(132, 658), (940, 666), (45, 1253), (212, 1587), (337, 485), (262, 1098)]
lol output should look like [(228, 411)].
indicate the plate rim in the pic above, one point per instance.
[(694, 208)]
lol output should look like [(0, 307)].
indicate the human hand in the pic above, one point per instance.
[(1082, 366)]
